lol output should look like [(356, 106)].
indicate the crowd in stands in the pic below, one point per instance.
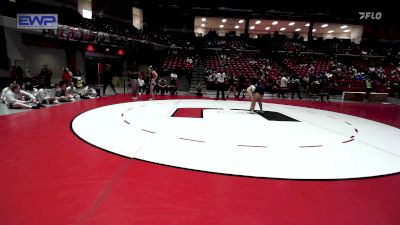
[(311, 73), (333, 65)]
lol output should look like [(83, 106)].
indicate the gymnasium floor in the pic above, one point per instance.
[(185, 160)]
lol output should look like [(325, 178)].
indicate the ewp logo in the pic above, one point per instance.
[(37, 21)]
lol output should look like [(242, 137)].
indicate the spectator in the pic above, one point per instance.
[(368, 88), (199, 90), (19, 75), (71, 91), (67, 76), (61, 93), (108, 79), (173, 86), (142, 85), (134, 84), (45, 75), (30, 89), (44, 95), (89, 92), (220, 84), (5, 90), (17, 99), (162, 83), (231, 86), (283, 86)]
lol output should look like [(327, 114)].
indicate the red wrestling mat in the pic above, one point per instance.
[(50, 176)]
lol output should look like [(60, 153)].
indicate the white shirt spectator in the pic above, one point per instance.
[(71, 90), (174, 75), (33, 92), (284, 82), (89, 92), (12, 97), (211, 78), (141, 82), (3, 93), (221, 77), (43, 94)]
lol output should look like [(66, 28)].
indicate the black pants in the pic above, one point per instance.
[(162, 90), (282, 91), (367, 93), (111, 85), (296, 90), (221, 87)]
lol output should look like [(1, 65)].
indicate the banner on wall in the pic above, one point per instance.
[(37, 21)]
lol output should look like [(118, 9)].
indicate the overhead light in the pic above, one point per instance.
[(203, 25), (291, 23), (313, 30), (221, 26), (282, 29), (237, 27), (324, 25), (331, 31), (298, 29), (87, 14), (267, 28), (307, 25), (275, 23), (203, 19), (252, 27), (258, 21), (224, 20), (344, 27), (241, 21), (346, 31)]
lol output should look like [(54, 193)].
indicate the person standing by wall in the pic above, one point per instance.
[(45, 75), (67, 76), (108, 79), (133, 76), (368, 88), (220, 84)]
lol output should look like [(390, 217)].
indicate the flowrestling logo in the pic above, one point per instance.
[(370, 15), (37, 21)]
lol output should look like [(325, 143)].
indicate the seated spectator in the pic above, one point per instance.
[(199, 90), (44, 95), (4, 91), (61, 93), (71, 91), (173, 86), (17, 99), (31, 90), (162, 85), (89, 92)]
